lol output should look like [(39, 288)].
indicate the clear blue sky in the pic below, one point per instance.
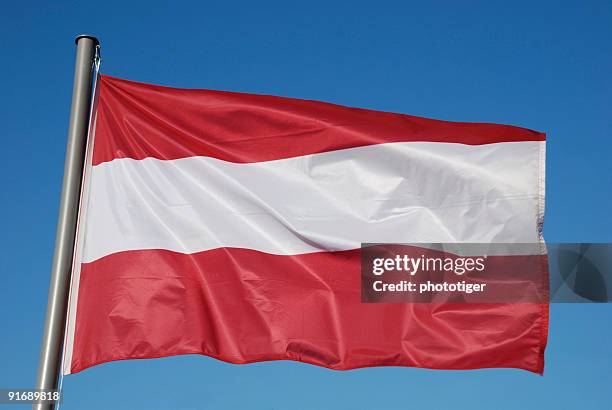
[(542, 65)]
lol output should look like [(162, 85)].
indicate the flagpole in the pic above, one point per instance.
[(55, 321)]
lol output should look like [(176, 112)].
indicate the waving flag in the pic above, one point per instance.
[(229, 225)]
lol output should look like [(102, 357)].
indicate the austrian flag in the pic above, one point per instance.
[(230, 225)]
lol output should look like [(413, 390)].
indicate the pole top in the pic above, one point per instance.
[(92, 38)]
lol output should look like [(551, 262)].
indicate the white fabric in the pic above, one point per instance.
[(396, 193)]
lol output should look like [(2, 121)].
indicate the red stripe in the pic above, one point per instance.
[(243, 306), (138, 121)]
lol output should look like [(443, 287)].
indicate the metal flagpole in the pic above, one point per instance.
[(55, 321)]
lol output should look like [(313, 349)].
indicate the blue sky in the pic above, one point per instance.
[(543, 65)]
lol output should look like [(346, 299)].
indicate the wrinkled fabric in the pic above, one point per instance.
[(414, 192), (229, 225)]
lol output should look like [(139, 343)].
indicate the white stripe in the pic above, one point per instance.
[(398, 192)]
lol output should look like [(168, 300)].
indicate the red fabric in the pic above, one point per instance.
[(243, 306), (171, 123)]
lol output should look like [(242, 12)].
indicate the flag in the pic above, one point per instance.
[(229, 225)]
